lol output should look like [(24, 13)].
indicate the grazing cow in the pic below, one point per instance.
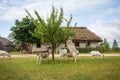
[(96, 53), (5, 53)]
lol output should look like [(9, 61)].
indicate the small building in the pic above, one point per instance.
[(5, 44), (85, 38), (82, 39)]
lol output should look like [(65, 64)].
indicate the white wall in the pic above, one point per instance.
[(43, 47), (93, 44), (82, 45), (34, 48)]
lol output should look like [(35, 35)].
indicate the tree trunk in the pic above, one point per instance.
[(53, 58), (53, 50), (21, 48), (30, 47), (65, 44)]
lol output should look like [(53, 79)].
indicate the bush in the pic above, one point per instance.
[(116, 49), (88, 49), (85, 50)]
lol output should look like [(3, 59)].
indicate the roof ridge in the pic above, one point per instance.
[(80, 27)]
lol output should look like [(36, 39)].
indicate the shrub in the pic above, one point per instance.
[(85, 50)]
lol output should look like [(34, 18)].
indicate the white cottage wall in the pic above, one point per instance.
[(83, 45), (42, 47), (93, 44)]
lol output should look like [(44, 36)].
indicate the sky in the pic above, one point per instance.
[(100, 16)]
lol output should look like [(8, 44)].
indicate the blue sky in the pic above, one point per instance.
[(100, 16)]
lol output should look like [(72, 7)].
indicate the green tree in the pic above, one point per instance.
[(115, 45), (50, 30), (21, 32), (106, 45)]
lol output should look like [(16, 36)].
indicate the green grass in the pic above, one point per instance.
[(85, 69), (14, 52), (112, 52)]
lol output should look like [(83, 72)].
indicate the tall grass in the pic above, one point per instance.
[(84, 69)]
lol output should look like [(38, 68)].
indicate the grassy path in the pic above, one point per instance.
[(56, 55)]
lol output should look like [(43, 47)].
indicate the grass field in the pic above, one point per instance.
[(85, 69)]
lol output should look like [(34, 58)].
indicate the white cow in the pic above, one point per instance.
[(96, 53), (5, 53)]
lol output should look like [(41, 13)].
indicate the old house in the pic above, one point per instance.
[(5, 44), (82, 39)]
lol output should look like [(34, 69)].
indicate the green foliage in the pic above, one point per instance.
[(50, 30), (106, 46), (86, 50), (115, 46), (21, 30), (85, 69)]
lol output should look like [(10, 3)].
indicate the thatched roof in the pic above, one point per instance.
[(84, 34), (4, 41)]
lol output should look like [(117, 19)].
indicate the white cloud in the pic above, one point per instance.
[(13, 14), (2, 7), (108, 30), (113, 10), (16, 7)]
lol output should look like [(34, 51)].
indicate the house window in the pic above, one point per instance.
[(77, 44), (38, 45), (88, 44)]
